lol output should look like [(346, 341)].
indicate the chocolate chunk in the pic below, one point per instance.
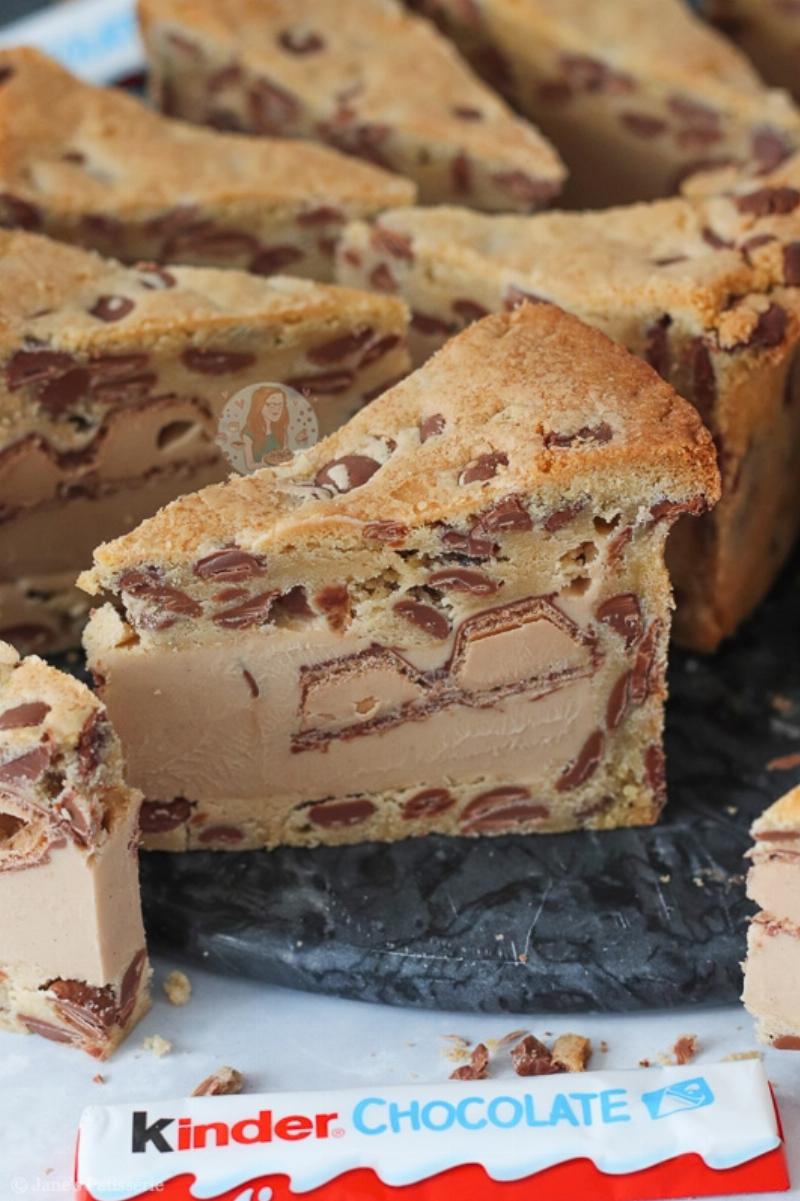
[(585, 765), (643, 665), (461, 174), (476, 1069), (20, 212), (714, 239), (428, 803), (655, 770), (301, 41), (323, 214), (623, 614), (255, 611), (334, 601), (21, 716), (770, 329), (555, 91), (591, 75), (365, 139), (769, 202), (129, 987), (643, 125), (769, 149), (154, 277), (294, 603), (351, 471), (5, 75), (562, 517), (159, 816), (531, 1057), (327, 383), (92, 741), (216, 362), (485, 467), (431, 427), (618, 701), (337, 815), (250, 681), (391, 242), (704, 380), (469, 310), (47, 1030), (64, 391), (27, 367), (25, 768), (791, 263), (425, 617), (466, 113), (230, 564), (225, 77), (598, 433), (227, 834), (272, 259), (378, 349), (271, 108), (90, 1009), (430, 326), (209, 240), (507, 514), (112, 308), (381, 279), (339, 348), (656, 348), (463, 579), (501, 808), (392, 532), (692, 112)]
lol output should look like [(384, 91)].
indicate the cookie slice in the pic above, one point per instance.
[(450, 616), (704, 288), (112, 381), (768, 31), (772, 968), (96, 167), (361, 75), (73, 962), (636, 101)]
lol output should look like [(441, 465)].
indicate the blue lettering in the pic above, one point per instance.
[(397, 1115), (561, 1112), (359, 1114), (530, 1113), (494, 1115), (443, 1124), (463, 1119), (585, 1100), (608, 1106)]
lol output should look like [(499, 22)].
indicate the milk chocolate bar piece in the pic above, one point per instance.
[(360, 75), (452, 615), (73, 962), (768, 31), (95, 167), (112, 380), (636, 102), (704, 288), (772, 967)]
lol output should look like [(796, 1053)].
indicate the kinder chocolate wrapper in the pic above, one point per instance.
[(671, 1132)]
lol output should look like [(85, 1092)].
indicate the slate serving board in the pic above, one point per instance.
[(625, 920)]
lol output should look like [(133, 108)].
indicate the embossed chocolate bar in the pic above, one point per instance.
[(451, 615)]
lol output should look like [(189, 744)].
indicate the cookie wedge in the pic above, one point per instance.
[(73, 962), (96, 167), (360, 75), (112, 380), (452, 615)]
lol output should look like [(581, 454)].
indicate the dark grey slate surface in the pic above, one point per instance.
[(619, 921)]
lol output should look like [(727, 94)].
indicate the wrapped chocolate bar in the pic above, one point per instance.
[(638, 1135)]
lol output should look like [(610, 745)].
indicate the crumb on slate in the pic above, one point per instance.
[(781, 704), (784, 762), (98, 1079), (157, 1045), (178, 988), (603, 1045), (735, 1056), (685, 1048), (569, 1053), (222, 1082)]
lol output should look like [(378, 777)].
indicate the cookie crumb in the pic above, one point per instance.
[(572, 1052), (477, 1068), (603, 1046), (735, 1056), (784, 762), (645, 1063), (665, 879), (781, 704), (532, 1058), (98, 1079), (685, 1048), (157, 1045), (223, 1082), (178, 988)]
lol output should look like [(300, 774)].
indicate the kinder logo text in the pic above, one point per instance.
[(183, 1134)]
